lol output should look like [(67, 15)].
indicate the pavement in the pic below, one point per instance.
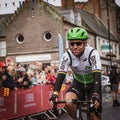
[(110, 112)]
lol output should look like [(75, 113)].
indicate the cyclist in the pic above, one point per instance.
[(86, 66)]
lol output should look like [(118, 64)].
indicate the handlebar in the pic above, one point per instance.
[(79, 103), (74, 101), (82, 106)]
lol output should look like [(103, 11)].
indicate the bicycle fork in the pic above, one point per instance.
[(78, 112)]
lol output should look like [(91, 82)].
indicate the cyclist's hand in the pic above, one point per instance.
[(53, 98), (95, 100)]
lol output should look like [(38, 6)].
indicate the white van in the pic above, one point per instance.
[(106, 85)]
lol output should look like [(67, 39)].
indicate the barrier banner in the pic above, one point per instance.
[(6, 105), (23, 102), (28, 101), (46, 92)]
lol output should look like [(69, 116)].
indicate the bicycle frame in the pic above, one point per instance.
[(79, 108)]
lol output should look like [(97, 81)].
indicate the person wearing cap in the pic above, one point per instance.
[(85, 63), (3, 68)]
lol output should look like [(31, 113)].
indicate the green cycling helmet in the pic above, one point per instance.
[(77, 34)]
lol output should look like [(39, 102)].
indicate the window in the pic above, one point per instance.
[(47, 36), (20, 38), (2, 48)]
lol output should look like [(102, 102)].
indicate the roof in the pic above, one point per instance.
[(94, 23), (3, 20), (7, 18)]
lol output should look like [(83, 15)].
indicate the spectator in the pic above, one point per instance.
[(35, 78), (19, 65), (30, 74), (50, 77), (40, 73), (0, 76), (8, 76), (32, 66), (69, 77), (114, 84), (23, 80), (39, 66)]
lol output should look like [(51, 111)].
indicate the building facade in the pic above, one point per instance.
[(32, 33)]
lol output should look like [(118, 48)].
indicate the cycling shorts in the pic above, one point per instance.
[(84, 92)]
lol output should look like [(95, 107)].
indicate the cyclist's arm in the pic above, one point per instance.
[(97, 82), (59, 82), (96, 69), (63, 67)]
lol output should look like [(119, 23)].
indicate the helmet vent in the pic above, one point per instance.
[(77, 30), (82, 34)]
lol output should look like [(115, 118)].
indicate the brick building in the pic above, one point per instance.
[(32, 33)]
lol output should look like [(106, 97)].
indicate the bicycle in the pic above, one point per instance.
[(82, 107)]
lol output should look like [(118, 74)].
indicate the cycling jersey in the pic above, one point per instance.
[(82, 66)]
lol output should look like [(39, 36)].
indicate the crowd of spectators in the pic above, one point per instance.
[(18, 76)]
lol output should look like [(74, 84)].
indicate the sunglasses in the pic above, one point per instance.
[(76, 43)]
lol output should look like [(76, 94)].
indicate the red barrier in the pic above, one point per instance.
[(25, 102), (6, 105), (46, 92), (28, 101)]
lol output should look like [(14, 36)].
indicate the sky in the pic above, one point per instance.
[(6, 6), (118, 2), (9, 6)]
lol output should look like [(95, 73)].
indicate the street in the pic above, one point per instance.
[(110, 112)]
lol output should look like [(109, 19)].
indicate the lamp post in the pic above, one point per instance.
[(108, 24)]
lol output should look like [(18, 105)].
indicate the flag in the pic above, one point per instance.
[(60, 45)]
